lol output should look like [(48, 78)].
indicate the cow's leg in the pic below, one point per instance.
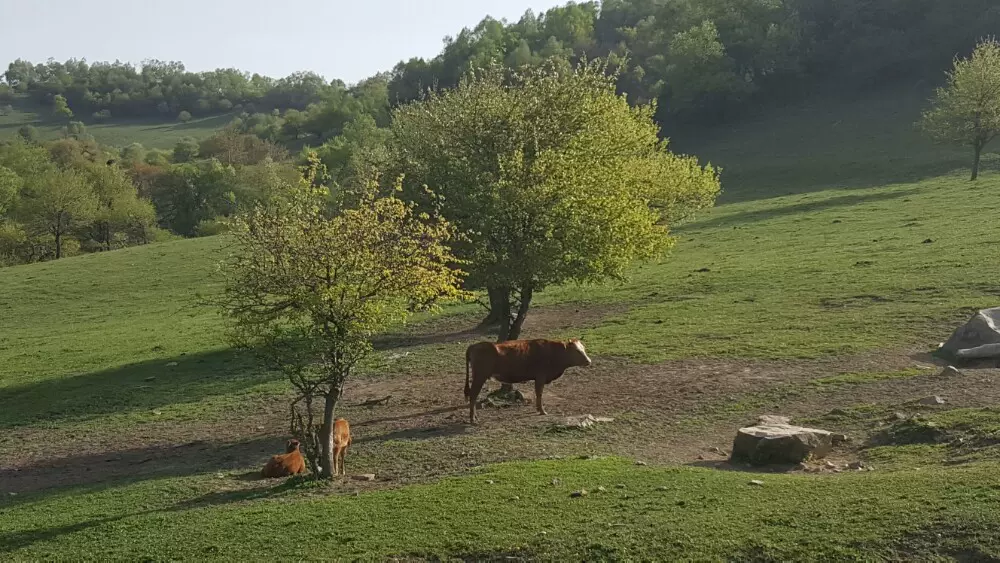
[(539, 385), (477, 386)]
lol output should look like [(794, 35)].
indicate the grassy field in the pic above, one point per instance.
[(844, 249), (154, 134)]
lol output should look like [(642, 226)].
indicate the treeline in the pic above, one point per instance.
[(102, 90), (697, 58), (70, 196)]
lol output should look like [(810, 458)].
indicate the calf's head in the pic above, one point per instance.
[(577, 353)]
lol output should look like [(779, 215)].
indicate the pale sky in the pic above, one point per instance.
[(342, 39)]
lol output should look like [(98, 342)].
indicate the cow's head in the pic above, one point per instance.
[(293, 445), (577, 353)]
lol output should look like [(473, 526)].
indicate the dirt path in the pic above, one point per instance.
[(667, 413)]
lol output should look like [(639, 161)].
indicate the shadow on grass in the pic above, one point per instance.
[(17, 540), (135, 387), (446, 431), (798, 208), (99, 470)]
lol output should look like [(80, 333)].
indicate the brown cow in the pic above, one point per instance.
[(517, 361), (289, 463), (341, 439)]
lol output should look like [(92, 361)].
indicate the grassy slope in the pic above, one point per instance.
[(821, 272), (156, 134)]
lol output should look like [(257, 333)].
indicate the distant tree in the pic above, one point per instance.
[(120, 216), (185, 150), (308, 290), (163, 107), (60, 108), (75, 129), (967, 110), (29, 133), (57, 203), (224, 105), (553, 175), (157, 157), (10, 188), (102, 115), (184, 116), (133, 153)]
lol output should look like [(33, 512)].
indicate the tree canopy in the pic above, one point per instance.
[(553, 175)]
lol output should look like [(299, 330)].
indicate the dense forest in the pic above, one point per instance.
[(698, 60)]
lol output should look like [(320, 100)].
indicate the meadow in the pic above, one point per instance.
[(844, 248)]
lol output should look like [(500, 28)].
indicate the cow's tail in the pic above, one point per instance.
[(468, 367)]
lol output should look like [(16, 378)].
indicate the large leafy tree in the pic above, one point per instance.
[(554, 176), (308, 288), (58, 202), (967, 109)]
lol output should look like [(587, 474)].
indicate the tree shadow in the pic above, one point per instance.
[(726, 465), (99, 470), (414, 340), (135, 387), (798, 208), (413, 434)]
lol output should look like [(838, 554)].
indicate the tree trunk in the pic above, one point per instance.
[(58, 244), (326, 437), (510, 329), (498, 306), (975, 163), (522, 312)]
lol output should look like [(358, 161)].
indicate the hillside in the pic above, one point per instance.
[(844, 249), (151, 133)]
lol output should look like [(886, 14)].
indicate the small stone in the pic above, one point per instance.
[(544, 533), (490, 481), (578, 494), (718, 451), (620, 486), (150, 378), (601, 489), (856, 465), (663, 488), (681, 503), (933, 400), (260, 428), (838, 438), (171, 364), (642, 463), (157, 413), (928, 241), (757, 483), (365, 477), (830, 465), (555, 482), (515, 498)]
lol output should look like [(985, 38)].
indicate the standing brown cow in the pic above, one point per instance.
[(517, 361)]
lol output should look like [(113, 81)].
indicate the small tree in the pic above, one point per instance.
[(60, 108), (28, 133), (58, 202), (308, 289), (186, 150), (554, 176), (184, 116), (967, 110)]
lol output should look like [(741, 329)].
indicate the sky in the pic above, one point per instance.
[(344, 39)]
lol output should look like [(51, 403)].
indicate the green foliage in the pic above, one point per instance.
[(28, 133), (60, 108), (554, 176), (309, 290), (56, 203), (184, 116), (185, 150), (967, 110)]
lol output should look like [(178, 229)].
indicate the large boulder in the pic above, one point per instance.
[(977, 338), (775, 442)]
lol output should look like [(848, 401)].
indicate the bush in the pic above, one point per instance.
[(184, 116), (211, 227), (102, 115)]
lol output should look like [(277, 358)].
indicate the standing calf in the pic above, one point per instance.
[(517, 361), (289, 463), (341, 439)]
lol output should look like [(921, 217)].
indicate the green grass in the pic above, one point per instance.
[(151, 133), (817, 250), (660, 514)]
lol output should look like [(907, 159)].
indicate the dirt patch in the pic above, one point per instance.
[(673, 412)]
